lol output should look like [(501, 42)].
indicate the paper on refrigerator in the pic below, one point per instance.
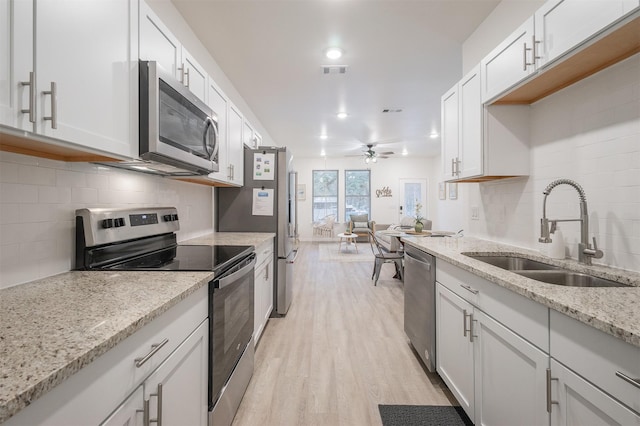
[(262, 204)]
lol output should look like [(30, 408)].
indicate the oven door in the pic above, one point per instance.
[(231, 299)]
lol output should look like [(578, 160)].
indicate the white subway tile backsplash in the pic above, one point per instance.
[(38, 199)]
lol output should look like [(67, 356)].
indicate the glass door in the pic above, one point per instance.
[(412, 194)]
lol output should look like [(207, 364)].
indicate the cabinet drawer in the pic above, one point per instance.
[(597, 357), (264, 252), (91, 394), (527, 318)]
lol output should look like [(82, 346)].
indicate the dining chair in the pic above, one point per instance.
[(383, 256)]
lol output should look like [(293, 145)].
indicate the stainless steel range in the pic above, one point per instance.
[(144, 239)]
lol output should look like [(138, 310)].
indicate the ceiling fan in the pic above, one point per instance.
[(371, 156)]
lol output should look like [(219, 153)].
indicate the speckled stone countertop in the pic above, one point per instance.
[(53, 327), (231, 239), (614, 310)]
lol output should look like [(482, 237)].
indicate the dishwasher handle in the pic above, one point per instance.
[(424, 263)]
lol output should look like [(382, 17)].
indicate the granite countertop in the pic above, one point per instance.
[(53, 327), (231, 239), (614, 310)]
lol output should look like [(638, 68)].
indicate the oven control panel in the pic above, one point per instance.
[(105, 226)]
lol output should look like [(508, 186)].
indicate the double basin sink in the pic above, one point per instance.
[(545, 272)]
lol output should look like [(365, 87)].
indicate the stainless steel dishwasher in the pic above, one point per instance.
[(420, 303)]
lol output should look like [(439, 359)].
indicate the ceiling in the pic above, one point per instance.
[(399, 55)]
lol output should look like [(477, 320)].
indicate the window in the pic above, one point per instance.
[(325, 194), (357, 191)]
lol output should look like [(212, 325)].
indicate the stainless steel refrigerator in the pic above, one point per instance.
[(266, 203)]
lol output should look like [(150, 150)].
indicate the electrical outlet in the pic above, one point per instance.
[(475, 213)]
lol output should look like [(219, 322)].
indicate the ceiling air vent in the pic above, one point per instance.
[(334, 69), (387, 110)]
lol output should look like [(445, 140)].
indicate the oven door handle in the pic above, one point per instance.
[(231, 278)]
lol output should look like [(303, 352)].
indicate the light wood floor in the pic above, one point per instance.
[(339, 352)]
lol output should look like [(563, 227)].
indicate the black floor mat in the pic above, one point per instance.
[(423, 415)]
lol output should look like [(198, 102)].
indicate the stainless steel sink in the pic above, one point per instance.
[(544, 272), (569, 278), (512, 263)]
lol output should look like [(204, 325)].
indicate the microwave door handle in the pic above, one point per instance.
[(211, 152)]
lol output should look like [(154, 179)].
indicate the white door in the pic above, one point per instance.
[(450, 129), (177, 390), (236, 148), (509, 63), (158, 44), (129, 413), (86, 73), (578, 402), (412, 192), (510, 376), (454, 351), (470, 119), (195, 77), (16, 64), (218, 103), (563, 24)]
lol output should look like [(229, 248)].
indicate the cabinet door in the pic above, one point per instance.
[(450, 128), (509, 63), (177, 390), (258, 303), (454, 351), (257, 137), (85, 56), (16, 63), (510, 376), (157, 43), (247, 135), (195, 77), (129, 413), (218, 103), (236, 149), (470, 118), (578, 402), (267, 293), (561, 25)]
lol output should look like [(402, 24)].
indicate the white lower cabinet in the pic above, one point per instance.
[(263, 300), (575, 401), (177, 390), (497, 377), (170, 354)]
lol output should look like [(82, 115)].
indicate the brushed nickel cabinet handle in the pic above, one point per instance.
[(54, 105), (464, 322), (181, 69), (186, 77), (32, 97), (158, 419), (549, 400), (469, 288), (154, 349), (535, 48), (453, 162), (632, 381), (471, 321)]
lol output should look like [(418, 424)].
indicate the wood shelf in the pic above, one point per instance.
[(609, 48)]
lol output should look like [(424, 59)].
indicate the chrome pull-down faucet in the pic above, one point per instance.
[(585, 250)]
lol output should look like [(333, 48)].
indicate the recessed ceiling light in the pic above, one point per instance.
[(405, 152), (323, 136), (434, 134), (342, 115), (322, 153), (333, 53)]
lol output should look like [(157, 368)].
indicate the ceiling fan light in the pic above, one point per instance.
[(342, 115), (366, 160), (374, 159)]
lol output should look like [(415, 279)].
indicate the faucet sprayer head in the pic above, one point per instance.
[(581, 194)]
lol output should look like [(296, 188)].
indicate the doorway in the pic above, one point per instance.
[(412, 192)]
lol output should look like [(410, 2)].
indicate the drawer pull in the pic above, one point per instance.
[(154, 348), (550, 400), (634, 382), (469, 288)]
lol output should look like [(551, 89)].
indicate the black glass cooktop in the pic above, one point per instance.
[(187, 258)]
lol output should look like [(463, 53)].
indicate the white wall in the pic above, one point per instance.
[(385, 173), (38, 199)]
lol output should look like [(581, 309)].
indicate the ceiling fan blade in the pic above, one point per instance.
[(386, 153), (382, 156)]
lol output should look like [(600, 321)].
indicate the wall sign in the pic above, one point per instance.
[(384, 192)]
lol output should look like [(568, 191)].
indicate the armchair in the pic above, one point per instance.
[(361, 225)]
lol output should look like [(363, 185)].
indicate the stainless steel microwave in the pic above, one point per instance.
[(176, 128)]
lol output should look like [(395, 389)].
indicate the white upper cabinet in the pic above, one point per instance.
[(470, 116), (235, 154), (450, 132), (257, 137), (16, 38), (219, 104), (247, 135), (158, 44), (561, 25), (510, 62), (86, 77)]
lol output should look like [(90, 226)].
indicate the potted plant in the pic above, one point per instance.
[(419, 225)]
